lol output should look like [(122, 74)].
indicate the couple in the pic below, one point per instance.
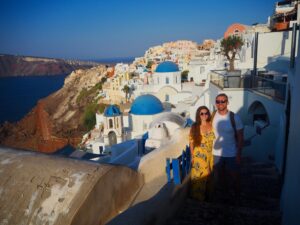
[(216, 143)]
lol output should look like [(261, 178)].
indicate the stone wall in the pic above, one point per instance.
[(41, 189)]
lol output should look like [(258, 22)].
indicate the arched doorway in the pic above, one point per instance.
[(112, 138), (257, 111)]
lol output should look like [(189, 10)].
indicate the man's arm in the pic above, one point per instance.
[(240, 144)]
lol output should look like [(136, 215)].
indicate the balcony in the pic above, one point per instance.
[(267, 83)]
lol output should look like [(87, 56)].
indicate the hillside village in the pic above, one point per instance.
[(176, 73)]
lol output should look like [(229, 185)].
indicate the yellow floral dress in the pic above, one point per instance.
[(202, 165)]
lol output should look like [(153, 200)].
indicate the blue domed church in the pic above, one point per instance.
[(113, 125), (143, 111), (117, 129), (165, 82), (167, 74)]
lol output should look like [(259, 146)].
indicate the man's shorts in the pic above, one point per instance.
[(227, 162)]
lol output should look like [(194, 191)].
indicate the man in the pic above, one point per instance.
[(227, 148)]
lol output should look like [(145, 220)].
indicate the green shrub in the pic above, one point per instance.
[(89, 117), (85, 93)]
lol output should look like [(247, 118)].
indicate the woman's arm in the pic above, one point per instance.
[(191, 142)]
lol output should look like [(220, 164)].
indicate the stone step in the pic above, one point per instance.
[(263, 171), (194, 212), (257, 165), (268, 187), (258, 204), (250, 200)]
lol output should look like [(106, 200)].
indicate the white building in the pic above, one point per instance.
[(167, 74), (165, 84), (114, 128), (199, 70), (112, 125), (143, 111)]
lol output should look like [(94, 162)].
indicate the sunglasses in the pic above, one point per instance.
[(204, 113), (221, 101)]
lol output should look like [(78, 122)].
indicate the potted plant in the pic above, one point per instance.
[(230, 46)]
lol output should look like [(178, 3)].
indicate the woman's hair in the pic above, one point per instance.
[(195, 129)]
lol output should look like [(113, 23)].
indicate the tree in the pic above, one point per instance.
[(149, 64), (103, 80), (184, 75), (126, 89), (230, 46)]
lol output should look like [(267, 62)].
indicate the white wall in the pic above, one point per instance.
[(269, 144), (160, 80), (274, 51), (181, 96), (99, 120), (153, 165), (196, 73), (138, 122), (290, 195)]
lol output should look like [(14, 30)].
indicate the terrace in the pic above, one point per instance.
[(267, 83)]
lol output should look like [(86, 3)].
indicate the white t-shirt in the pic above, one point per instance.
[(225, 143)]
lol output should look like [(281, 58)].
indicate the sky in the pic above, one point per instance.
[(101, 29)]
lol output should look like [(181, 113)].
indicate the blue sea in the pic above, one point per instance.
[(18, 95)]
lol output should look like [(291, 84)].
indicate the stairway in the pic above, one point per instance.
[(258, 203)]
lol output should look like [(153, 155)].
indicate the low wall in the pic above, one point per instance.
[(37, 188), (156, 210), (152, 165), (157, 200)]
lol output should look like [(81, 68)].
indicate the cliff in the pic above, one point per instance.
[(11, 65), (57, 119)]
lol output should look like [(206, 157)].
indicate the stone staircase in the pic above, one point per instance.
[(258, 203)]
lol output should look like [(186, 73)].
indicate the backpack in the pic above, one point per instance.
[(231, 115)]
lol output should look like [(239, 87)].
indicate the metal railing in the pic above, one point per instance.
[(260, 83), (269, 87), (179, 167)]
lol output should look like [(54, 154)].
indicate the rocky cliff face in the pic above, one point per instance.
[(56, 120), (11, 65)]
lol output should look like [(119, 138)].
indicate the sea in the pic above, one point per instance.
[(18, 95)]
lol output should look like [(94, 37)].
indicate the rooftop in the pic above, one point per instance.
[(146, 105), (166, 67)]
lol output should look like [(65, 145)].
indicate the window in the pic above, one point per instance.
[(110, 123), (100, 149), (117, 123), (202, 69), (167, 98), (144, 126), (167, 80)]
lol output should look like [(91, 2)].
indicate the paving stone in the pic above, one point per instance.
[(258, 203)]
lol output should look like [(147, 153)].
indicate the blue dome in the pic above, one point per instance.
[(146, 105), (112, 110), (167, 67)]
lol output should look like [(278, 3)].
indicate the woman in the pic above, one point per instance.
[(201, 142)]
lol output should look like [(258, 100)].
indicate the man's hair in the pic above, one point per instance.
[(222, 95)]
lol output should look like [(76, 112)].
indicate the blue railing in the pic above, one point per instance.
[(179, 167)]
